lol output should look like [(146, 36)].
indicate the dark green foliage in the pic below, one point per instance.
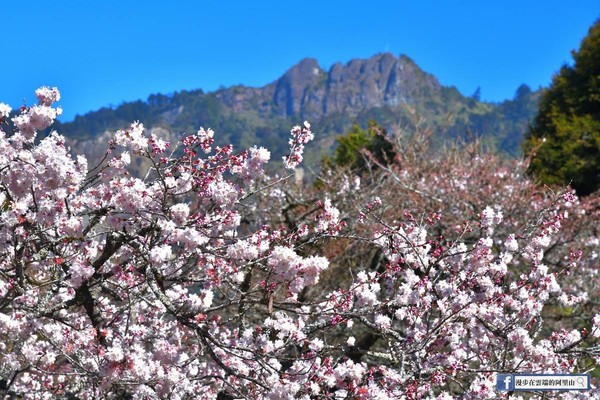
[(108, 119), (569, 121), (359, 144)]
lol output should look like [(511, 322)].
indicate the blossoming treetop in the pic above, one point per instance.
[(155, 286)]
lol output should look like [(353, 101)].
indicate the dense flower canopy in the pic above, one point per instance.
[(203, 275)]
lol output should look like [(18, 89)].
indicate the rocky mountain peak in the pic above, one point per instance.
[(382, 80), (294, 85), (306, 69)]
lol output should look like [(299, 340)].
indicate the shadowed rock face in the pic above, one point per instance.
[(307, 90), (293, 89)]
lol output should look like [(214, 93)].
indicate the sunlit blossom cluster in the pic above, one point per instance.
[(201, 277), (300, 137)]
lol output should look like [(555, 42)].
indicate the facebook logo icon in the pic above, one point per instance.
[(504, 382)]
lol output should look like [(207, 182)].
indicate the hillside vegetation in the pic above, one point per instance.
[(391, 90)]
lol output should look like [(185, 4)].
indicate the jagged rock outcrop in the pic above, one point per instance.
[(383, 80)]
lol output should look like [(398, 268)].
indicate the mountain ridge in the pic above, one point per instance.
[(392, 90)]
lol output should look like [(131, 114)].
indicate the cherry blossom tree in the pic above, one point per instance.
[(205, 277)]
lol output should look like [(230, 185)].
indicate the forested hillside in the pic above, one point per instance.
[(391, 90)]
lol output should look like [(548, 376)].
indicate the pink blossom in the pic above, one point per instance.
[(300, 136), (259, 156), (47, 96), (383, 321), (158, 255), (180, 213), (36, 118), (133, 137), (242, 250), (330, 217), (511, 243), (596, 326), (222, 192), (5, 110)]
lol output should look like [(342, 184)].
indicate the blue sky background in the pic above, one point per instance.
[(102, 53)]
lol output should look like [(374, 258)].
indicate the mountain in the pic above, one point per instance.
[(394, 91)]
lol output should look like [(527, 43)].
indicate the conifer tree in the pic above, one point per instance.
[(566, 132)]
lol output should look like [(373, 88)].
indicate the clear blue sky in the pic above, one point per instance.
[(105, 52)]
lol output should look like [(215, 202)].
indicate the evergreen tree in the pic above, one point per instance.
[(569, 121), (351, 148)]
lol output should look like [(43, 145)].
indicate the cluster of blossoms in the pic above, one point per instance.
[(5, 110), (329, 219), (297, 272), (202, 277), (135, 139), (300, 137), (37, 117)]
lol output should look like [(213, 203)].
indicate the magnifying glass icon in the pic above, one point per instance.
[(581, 382)]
